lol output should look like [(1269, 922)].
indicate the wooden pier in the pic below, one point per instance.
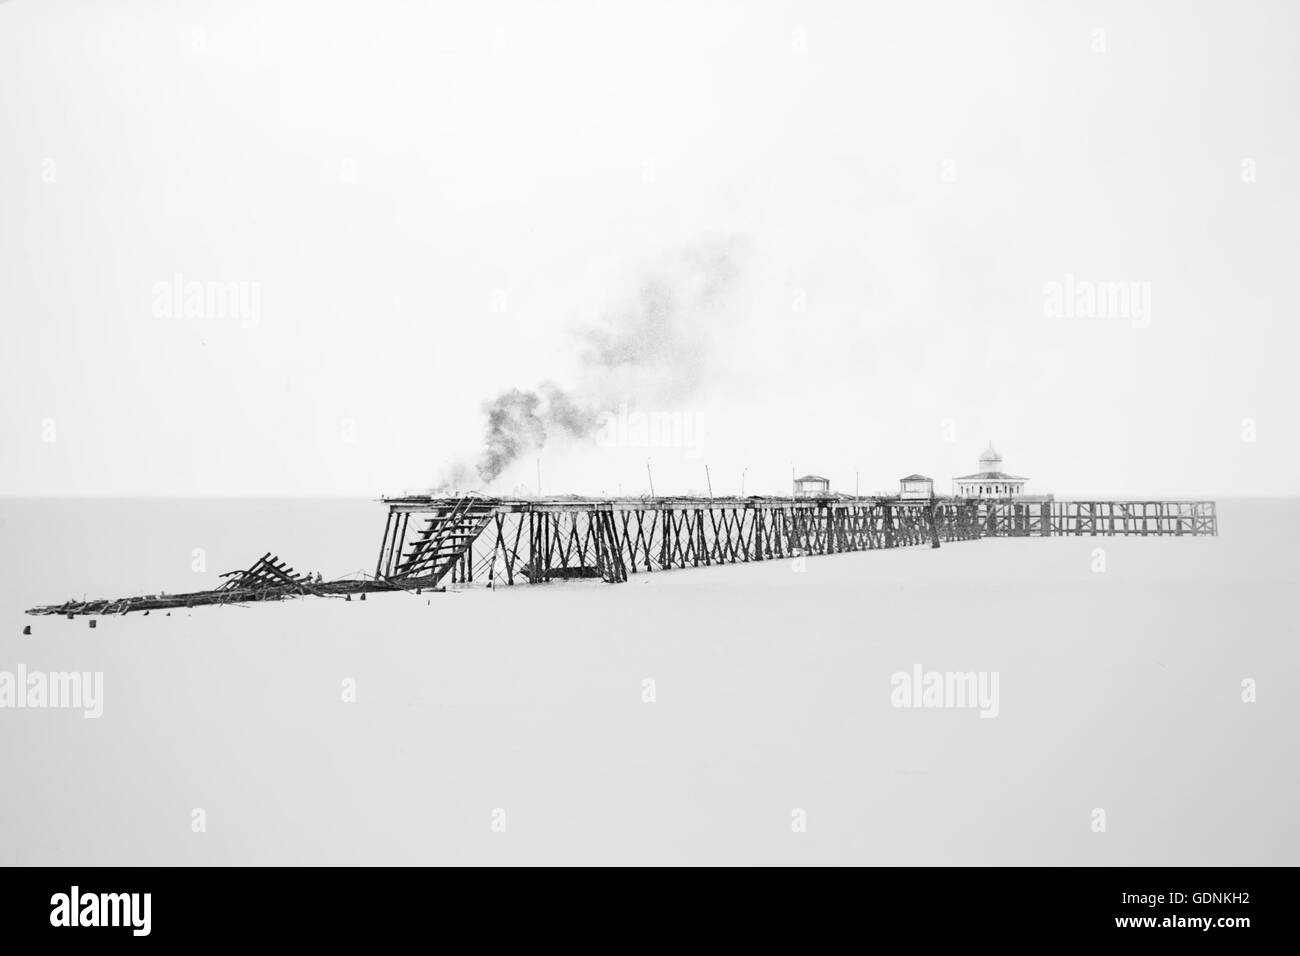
[(508, 541), (511, 541)]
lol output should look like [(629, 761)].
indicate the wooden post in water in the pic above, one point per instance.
[(388, 526)]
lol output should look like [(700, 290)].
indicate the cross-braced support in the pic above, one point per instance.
[(511, 541)]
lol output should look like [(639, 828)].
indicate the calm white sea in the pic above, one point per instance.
[(526, 708)]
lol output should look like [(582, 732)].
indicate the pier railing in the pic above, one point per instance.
[(1106, 518)]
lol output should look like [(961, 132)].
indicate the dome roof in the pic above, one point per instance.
[(990, 454)]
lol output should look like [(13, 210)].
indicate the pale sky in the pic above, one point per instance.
[(424, 200)]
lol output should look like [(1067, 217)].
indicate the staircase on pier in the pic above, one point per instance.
[(447, 537)]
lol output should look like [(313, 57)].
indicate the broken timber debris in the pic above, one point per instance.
[(267, 579)]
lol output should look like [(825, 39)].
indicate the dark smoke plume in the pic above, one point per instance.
[(513, 426), (651, 347), (518, 421)]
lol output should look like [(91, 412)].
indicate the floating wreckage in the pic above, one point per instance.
[(267, 579)]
